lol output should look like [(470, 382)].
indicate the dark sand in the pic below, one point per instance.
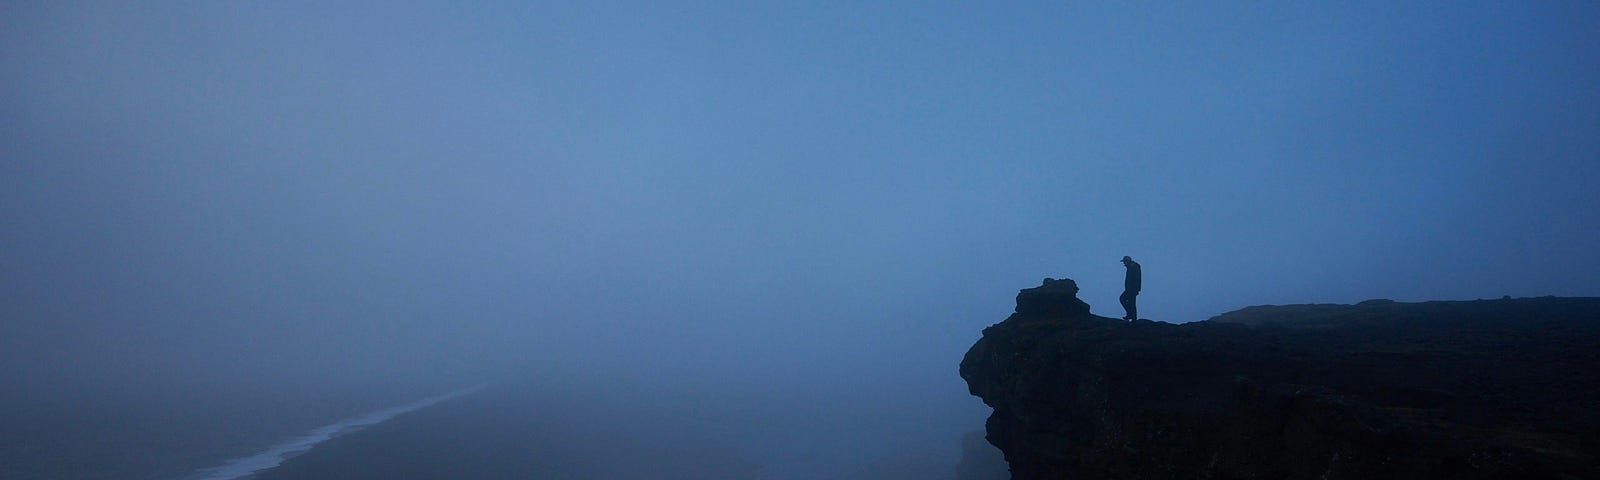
[(164, 433), (529, 433), (516, 433)]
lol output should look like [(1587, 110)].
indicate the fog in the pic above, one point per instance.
[(205, 202)]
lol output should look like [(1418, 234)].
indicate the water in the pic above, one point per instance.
[(273, 456)]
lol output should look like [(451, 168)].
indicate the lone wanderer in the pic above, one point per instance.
[(1130, 289)]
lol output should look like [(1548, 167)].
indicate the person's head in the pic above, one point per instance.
[(1127, 259)]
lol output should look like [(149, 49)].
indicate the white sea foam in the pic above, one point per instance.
[(240, 468)]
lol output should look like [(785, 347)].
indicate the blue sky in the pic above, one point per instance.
[(264, 186)]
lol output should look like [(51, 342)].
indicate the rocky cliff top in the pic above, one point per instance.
[(1476, 389)]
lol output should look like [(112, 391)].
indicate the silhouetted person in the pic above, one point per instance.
[(1130, 288)]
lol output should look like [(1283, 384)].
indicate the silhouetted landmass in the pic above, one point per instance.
[(1459, 390)]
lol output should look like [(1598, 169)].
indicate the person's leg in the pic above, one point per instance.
[(1133, 306), (1127, 305)]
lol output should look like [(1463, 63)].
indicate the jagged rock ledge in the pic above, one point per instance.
[(1460, 390)]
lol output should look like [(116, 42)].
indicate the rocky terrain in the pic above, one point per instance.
[(1504, 388)]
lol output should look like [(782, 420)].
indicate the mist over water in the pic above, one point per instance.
[(225, 225)]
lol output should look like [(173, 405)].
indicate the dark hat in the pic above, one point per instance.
[(1126, 258)]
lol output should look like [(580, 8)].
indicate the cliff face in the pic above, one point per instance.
[(1481, 389)]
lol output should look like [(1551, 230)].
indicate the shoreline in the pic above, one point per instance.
[(252, 466)]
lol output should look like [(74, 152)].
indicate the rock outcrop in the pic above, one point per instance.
[(1460, 390)]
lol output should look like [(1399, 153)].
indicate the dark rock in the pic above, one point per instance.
[(1054, 298), (1459, 390)]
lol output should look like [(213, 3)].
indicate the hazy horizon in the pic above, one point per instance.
[(226, 196)]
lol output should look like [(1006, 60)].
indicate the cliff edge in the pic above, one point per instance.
[(1461, 390)]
